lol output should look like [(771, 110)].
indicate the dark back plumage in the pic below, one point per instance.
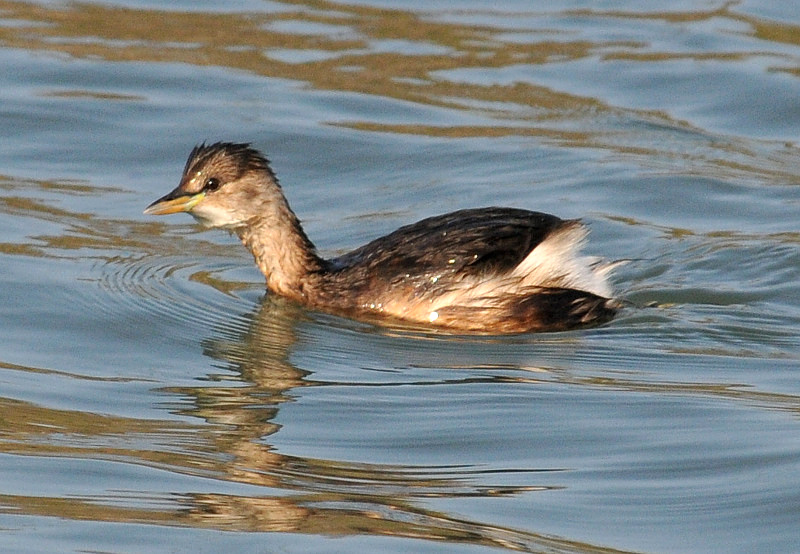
[(474, 241)]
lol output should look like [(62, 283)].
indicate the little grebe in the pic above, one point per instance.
[(487, 270)]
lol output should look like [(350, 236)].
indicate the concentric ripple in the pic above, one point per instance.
[(173, 289)]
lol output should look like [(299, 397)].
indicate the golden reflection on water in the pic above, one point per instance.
[(238, 412), (313, 495), (339, 48), (232, 443), (331, 497), (301, 495)]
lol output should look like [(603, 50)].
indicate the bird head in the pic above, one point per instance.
[(223, 185)]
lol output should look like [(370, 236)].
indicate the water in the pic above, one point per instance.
[(154, 398)]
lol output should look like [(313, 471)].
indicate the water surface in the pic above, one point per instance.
[(153, 397)]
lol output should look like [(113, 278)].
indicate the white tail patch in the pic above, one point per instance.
[(556, 262)]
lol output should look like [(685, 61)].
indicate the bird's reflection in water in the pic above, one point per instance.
[(319, 496)]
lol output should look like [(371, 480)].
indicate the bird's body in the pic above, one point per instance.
[(486, 270)]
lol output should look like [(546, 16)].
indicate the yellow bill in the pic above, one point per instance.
[(174, 202)]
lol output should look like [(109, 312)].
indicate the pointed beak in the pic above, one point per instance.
[(174, 202)]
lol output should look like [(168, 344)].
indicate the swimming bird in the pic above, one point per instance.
[(486, 270)]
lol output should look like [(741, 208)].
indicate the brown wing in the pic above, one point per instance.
[(483, 241)]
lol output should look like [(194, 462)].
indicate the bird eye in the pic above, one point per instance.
[(211, 185)]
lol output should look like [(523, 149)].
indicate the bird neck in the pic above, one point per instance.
[(282, 251)]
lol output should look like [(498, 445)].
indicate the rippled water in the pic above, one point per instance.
[(153, 397)]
